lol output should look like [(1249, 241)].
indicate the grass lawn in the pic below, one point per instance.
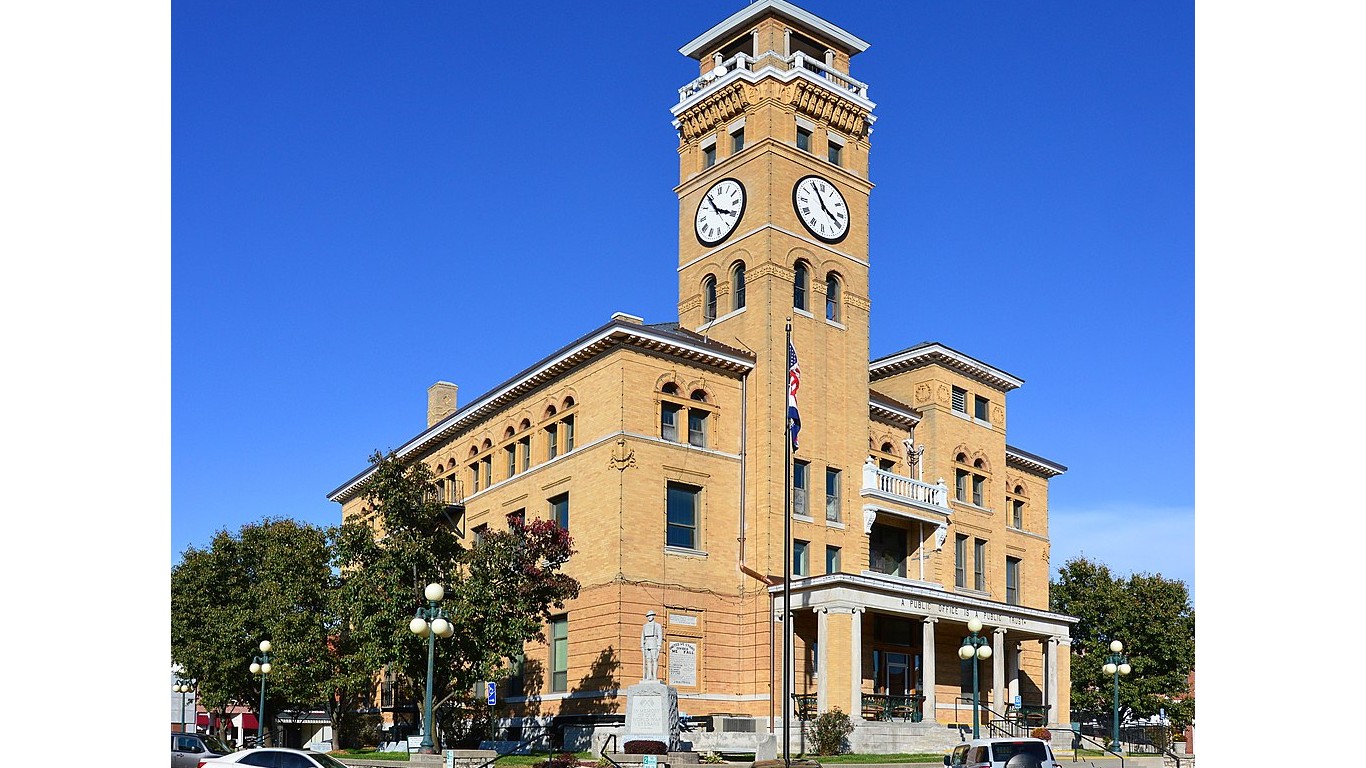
[(855, 759), (369, 754)]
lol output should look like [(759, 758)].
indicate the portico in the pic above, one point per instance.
[(886, 648)]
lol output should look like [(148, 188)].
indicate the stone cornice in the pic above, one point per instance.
[(1030, 463), (934, 353)]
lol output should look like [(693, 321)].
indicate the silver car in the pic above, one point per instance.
[(187, 749)]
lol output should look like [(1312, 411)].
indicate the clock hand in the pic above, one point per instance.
[(721, 211)]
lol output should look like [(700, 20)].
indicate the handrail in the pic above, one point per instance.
[(611, 739), (1078, 736)]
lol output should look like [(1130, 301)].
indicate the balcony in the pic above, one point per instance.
[(879, 483), (817, 71)]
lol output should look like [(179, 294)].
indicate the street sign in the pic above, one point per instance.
[(491, 692), (649, 761)]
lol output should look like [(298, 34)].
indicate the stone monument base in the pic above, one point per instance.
[(651, 714)]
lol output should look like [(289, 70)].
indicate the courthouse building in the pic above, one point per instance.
[(661, 445)]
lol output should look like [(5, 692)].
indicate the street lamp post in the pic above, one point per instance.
[(260, 665), (183, 685), (431, 623), (976, 648), (1116, 664)]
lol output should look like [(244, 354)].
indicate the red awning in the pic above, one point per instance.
[(202, 720), (248, 721)]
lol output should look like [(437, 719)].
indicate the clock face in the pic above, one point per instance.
[(719, 211), (821, 208)]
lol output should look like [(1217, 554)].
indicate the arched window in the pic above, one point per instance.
[(708, 299), (737, 285), (698, 395), (669, 389), (832, 298), (801, 285)]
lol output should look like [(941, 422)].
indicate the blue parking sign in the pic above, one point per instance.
[(491, 692)]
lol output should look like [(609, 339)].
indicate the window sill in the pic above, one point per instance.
[(834, 524), (973, 507), (799, 517), (836, 324), (684, 552), (981, 422), (973, 592)]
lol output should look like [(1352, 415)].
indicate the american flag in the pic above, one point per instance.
[(794, 380)]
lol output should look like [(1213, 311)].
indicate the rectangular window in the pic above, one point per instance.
[(832, 495), (835, 152), (960, 561), (681, 515), (832, 559), (803, 139), (1012, 581), (737, 140), (481, 532), (979, 565), (709, 155), (1017, 514), (517, 519), (474, 477), (516, 683), (559, 654), (511, 452), (524, 446), (486, 464), (960, 484), (697, 428), (978, 484), (568, 434), (799, 549), (979, 408), (800, 482), (960, 399), (668, 421), (552, 437), (559, 510)]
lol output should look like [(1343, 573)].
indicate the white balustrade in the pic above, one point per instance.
[(795, 61), (904, 487)]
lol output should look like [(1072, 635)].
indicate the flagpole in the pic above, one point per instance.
[(787, 551)]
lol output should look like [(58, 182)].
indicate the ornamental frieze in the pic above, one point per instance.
[(857, 302), (768, 269), (821, 105), (721, 107)]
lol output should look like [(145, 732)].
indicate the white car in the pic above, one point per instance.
[(1002, 753), (275, 757)]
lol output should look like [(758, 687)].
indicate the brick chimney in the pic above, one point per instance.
[(440, 401)]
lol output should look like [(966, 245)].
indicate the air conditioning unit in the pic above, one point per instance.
[(739, 725)]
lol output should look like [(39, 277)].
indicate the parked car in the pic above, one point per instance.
[(187, 749), (275, 757), (1002, 753)]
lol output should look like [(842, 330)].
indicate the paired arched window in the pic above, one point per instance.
[(737, 285), (801, 285), (832, 298), (708, 299)]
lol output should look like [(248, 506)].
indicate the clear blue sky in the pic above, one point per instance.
[(370, 197)]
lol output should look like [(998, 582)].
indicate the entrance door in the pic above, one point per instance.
[(898, 680)]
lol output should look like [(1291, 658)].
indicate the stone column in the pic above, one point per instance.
[(1013, 671), (928, 665), (998, 670), (856, 663), (822, 652), (1050, 677)]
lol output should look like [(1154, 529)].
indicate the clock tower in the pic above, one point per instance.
[(773, 224)]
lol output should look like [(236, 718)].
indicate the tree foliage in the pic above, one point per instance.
[(1155, 620), (270, 581)]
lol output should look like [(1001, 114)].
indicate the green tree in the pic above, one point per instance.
[(499, 593), (271, 581), (1155, 620)]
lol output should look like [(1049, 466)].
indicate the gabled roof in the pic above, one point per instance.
[(728, 28), (934, 353), (664, 339)]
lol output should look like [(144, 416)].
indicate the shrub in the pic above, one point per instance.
[(711, 757), (828, 731), (1041, 733), (646, 747)]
